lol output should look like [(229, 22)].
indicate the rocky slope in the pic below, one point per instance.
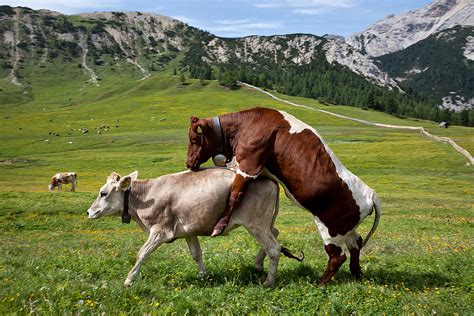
[(296, 49), (145, 41), (441, 66), (395, 33)]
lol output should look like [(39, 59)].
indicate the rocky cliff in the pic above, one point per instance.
[(395, 33)]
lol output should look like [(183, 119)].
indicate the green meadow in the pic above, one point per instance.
[(54, 260)]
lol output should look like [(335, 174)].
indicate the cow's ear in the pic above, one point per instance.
[(133, 175), (202, 126), (126, 181), (193, 120)]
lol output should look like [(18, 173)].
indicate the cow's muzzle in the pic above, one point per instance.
[(193, 164), (92, 213)]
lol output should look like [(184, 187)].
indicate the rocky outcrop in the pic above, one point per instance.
[(395, 33), (297, 49), (339, 51), (469, 48), (456, 103), (137, 38)]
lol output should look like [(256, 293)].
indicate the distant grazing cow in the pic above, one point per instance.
[(63, 178), (276, 144), (187, 205)]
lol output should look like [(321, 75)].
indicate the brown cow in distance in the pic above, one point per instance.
[(61, 178), (275, 144)]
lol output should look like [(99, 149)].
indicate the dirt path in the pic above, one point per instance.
[(15, 50), (85, 50), (44, 58), (414, 128)]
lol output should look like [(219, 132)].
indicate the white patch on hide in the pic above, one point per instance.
[(361, 192), (338, 240), (234, 166)]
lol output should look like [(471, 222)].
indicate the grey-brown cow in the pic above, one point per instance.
[(187, 205)]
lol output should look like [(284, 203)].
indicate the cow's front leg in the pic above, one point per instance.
[(236, 192), (154, 240)]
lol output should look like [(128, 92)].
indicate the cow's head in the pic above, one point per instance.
[(111, 196), (202, 144), (52, 184)]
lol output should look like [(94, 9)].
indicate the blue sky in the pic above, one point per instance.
[(234, 18)]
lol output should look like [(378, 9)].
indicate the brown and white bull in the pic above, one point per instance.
[(187, 205), (63, 178), (273, 143)]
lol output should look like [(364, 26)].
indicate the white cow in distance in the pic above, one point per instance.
[(187, 205), (61, 178)]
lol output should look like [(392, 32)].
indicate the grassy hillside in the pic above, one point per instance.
[(56, 260)]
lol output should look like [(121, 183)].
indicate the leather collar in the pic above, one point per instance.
[(217, 129), (125, 215)]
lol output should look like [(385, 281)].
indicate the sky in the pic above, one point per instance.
[(236, 18)]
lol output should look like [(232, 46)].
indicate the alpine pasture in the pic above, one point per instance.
[(55, 260)]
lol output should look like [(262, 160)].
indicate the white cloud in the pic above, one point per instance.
[(234, 22), (311, 11), (241, 27), (321, 3), (307, 7), (269, 4)]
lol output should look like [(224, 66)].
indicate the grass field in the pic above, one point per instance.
[(55, 260)]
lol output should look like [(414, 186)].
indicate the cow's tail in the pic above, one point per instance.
[(277, 205), (288, 254), (378, 211)]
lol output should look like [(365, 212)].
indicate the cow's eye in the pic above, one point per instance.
[(102, 194), (195, 140)]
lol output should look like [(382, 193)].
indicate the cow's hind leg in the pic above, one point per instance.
[(154, 240), (272, 248), (195, 248), (260, 257), (334, 249), (335, 261), (354, 244)]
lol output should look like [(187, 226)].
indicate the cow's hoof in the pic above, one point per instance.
[(321, 282), (359, 276), (218, 230), (202, 275), (269, 284), (259, 268), (128, 283)]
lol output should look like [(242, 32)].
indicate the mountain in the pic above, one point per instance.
[(441, 65), (430, 51), (147, 40), (36, 39), (395, 33), (77, 52)]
